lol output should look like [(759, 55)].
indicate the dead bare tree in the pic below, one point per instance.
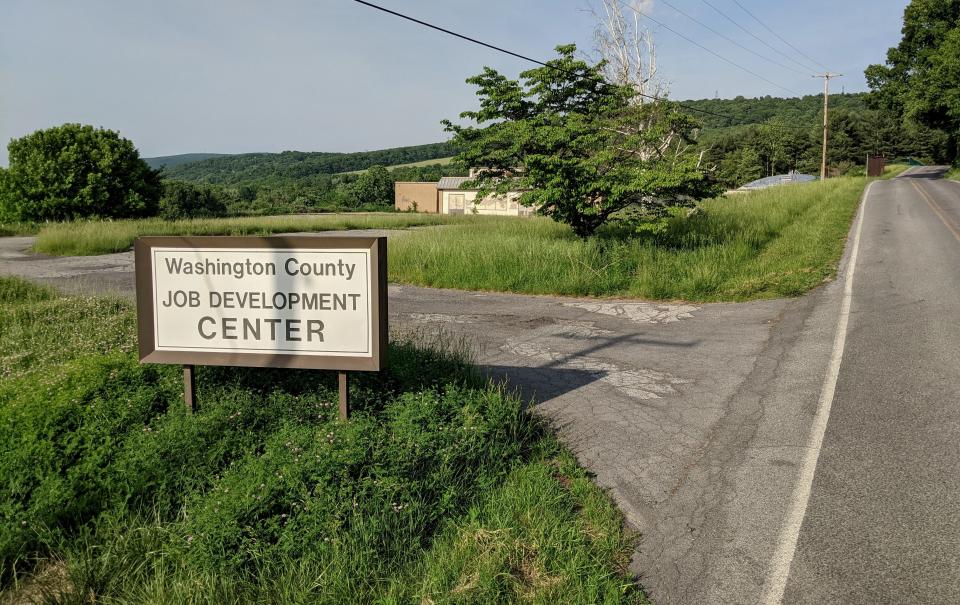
[(627, 47)]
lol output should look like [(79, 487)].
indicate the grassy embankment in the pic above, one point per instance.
[(777, 242), (441, 489), (893, 170), (954, 174)]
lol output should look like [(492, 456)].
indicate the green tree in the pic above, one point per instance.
[(374, 186), (247, 193), (186, 200), (740, 166), (921, 77), (580, 150), (5, 214), (74, 171), (934, 98)]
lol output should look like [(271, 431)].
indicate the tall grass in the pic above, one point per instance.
[(19, 228), (84, 238), (441, 488), (953, 174), (780, 241), (893, 170), (777, 242)]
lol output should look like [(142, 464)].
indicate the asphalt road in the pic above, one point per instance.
[(883, 520), (698, 418)]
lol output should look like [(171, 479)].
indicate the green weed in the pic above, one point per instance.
[(111, 492), (39, 329)]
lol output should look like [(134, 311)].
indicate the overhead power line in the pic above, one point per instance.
[(758, 38), (715, 54), (545, 64), (734, 42), (779, 37)]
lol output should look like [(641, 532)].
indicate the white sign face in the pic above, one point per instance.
[(263, 300)]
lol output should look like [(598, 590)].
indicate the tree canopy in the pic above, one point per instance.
[(186, 200), (75, 171), (921, 77), (579, 148)]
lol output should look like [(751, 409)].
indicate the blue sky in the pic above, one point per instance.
[(235, 76)]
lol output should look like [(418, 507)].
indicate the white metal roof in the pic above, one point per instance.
[(452, 182)]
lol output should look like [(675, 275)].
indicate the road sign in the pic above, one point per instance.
[(291, 302)]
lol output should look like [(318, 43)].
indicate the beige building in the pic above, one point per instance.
[(449, 198), (413, 196), (454, 200)]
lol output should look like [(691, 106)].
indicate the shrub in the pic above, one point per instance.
[(185, 200), (74, 171)]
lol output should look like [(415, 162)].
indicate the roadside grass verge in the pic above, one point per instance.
[(893, 170), (441, 488), (953, 174), (780, 241), (84, 238)]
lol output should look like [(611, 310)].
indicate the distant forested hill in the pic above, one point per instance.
[(797, 110), (167, 161), (298, 166), (299, 181), (752, 138)]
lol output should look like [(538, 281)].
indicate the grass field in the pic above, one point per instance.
[(776, 242), (433, 162), (440, 489), (103, 237)]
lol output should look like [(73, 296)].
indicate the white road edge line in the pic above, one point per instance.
[(780, 563)]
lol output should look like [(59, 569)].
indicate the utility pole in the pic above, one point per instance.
[(826, 123)]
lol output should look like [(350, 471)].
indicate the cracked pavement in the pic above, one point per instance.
[(690, 415)]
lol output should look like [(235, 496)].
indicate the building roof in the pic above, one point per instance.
[(452, 182), (780, 179)]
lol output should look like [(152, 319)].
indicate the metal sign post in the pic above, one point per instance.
[(344, 397), (189, 388)]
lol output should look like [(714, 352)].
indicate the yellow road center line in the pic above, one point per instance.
[(939, 211)]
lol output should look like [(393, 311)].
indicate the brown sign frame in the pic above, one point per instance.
[(143, 262)]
